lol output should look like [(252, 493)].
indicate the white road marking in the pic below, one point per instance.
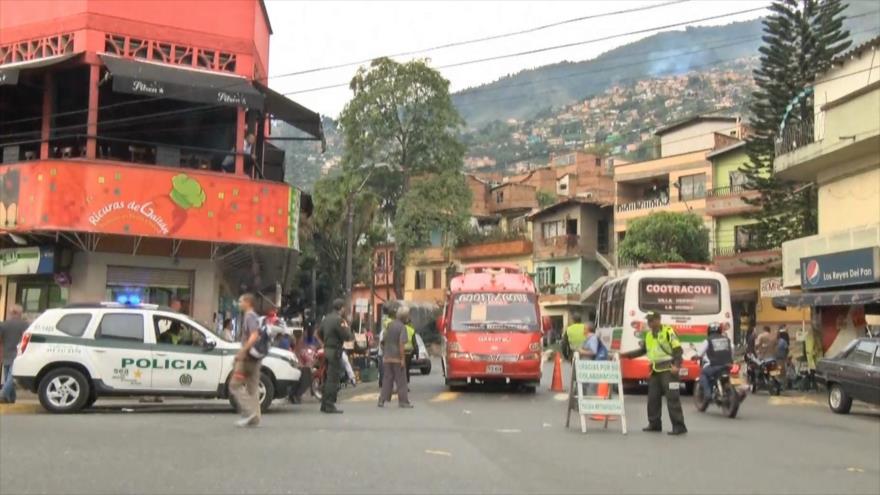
[(438, 452), (560, 397), (508, 430)]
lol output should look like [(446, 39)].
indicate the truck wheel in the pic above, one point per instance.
[(838, 400), (64, 390)]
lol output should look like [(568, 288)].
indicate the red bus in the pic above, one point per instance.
[(491, 328)]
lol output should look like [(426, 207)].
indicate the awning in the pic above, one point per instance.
[(9, 72), (283, 108), (179, 83), (833, 298)]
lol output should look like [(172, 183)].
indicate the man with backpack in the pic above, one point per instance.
[(245, 382)]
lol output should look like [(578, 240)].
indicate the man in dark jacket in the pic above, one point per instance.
[(10, 334), (333, 332)]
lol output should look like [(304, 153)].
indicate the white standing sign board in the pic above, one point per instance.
[(588, 374)]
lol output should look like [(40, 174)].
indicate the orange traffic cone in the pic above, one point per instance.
[(556, 385), (603, 393)]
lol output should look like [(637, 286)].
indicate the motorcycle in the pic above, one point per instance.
[(724, 393), (764, 374), (319, 374)]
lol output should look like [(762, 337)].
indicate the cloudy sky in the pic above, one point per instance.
[(317, 34)]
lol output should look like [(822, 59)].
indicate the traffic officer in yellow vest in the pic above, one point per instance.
[(575, 334), (663, 349)]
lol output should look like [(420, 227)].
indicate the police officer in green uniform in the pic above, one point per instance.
[(663, 349), (334, 330)]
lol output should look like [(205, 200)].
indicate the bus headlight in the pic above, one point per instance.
[(460, 355), (535, 346), (530, 356)]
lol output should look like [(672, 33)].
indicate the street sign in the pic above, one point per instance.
[(772, 287), (360, 305), (590, 375)]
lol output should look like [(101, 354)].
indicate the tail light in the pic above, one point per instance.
[(25, 340), (734, 370)]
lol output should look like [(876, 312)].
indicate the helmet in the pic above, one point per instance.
[(714, 328)]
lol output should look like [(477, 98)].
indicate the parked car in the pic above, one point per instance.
[(854, 374), (422, 362), (72, 356)]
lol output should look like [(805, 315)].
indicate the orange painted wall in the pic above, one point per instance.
[(15, 13)]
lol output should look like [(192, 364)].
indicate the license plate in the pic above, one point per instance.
[(774, 373), (735, 381), (494, 368), (683, 372)]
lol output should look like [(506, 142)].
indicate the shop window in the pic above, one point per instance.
[(121, 326), (436, 279), (74, 324), (38, 296), (421, 279)]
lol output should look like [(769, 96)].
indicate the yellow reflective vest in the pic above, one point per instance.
[(410, 332), (576, 333), (660, 349)]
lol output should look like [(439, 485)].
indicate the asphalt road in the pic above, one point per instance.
[(471, 442)]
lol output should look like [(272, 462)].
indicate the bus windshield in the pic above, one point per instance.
[(494, 311), (692, 296)]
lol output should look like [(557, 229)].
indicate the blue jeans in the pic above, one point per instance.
[(708, 377), (8, 391)]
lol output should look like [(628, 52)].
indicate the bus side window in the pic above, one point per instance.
[(618, 295), (603, 307)]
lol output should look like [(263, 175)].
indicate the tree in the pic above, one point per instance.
[(402, 115), (801, 37), (545, 199), (666, 237)]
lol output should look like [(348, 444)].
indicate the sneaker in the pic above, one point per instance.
[(331, 410), (249, 421), (677, 431), (406, 406), (381, 404), (652, 429)]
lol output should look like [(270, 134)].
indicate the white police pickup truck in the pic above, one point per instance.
[(72, 356)]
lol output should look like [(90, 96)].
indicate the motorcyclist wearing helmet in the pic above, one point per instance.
[(716, 355)]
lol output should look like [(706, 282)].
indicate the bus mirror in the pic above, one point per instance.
[(546, 324)]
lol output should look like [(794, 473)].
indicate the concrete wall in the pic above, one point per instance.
[(89, 278), (850, 201), (725, 164), (844, 79), (694, 137)]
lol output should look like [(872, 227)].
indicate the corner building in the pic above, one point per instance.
[(137, 156)]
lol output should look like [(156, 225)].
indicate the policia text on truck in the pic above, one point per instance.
[(661, 346)]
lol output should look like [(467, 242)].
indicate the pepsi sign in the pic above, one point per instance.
[(845, 268)]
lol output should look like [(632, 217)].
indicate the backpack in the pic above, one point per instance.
[(260, 349)]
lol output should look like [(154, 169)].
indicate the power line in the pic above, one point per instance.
[(477, 40), (552, 47)]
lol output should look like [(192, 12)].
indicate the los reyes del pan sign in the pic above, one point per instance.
[(586, 395)]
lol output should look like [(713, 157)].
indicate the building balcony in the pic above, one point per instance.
[(844, 131), (566, 246), (643, 204), (559, 294), (733, 260), (494, 249), (433, 254), (114, 198), (729, 200)]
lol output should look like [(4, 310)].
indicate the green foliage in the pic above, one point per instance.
[(402, 116), (666, 237), (801, 37), (475, 236), (433, 203), (545, 199), (327, 229)]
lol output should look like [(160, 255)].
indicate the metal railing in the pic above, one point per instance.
[(643, 204), (560, 289), (734, 250), (795, 135), (719, 192)]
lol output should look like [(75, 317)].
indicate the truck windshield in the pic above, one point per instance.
[(494, 311)]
